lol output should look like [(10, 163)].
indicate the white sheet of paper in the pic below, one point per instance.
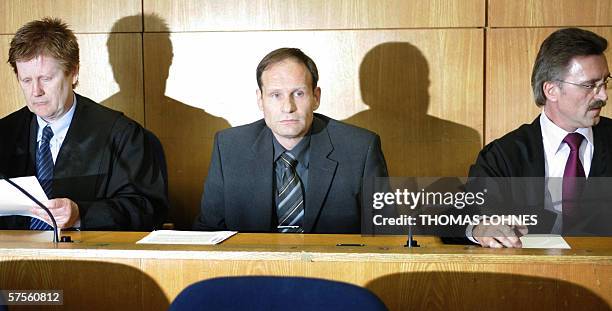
[(13, 202), (544, 241), (186, 237)]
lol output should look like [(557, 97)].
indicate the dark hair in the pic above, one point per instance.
[(280, 55), (557, 51), (48, 36)]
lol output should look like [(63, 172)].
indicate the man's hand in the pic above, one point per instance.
[(65, 211), (499, 236)]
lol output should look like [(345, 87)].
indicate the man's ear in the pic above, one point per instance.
[(75, 77), (259, 99), (551, 90), (317, 95)]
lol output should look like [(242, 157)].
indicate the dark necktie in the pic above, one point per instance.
[(290, 200), (44, 173), (573, 179)]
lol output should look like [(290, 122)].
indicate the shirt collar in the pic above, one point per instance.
[(300, 151), (60, 125), (553, 135)]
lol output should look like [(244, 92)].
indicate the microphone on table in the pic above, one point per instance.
[(411, 242), (31, 197)]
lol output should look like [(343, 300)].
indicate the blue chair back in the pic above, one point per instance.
[(275, 293)]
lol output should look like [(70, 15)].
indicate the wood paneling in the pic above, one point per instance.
[(510, 57), (81, 15), (12, 96), (122, 54), (549, 13), (229, 15), (421, 90), (185, 130), (96, 76), (89, 284)]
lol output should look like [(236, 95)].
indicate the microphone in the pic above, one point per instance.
[(31, 197)]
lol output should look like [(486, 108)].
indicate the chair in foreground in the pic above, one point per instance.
[(275, 293)]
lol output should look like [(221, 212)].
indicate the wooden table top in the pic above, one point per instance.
[(271, 246)]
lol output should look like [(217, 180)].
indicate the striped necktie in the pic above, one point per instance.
[(290, 201), (44, 173)]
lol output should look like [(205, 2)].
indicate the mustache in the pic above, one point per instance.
[(597, 104)]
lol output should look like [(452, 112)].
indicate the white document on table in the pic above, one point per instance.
[(14, 202), (186, 237), (544, 241)]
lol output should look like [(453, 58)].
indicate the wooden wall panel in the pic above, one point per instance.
[(82, 15), (96, 78), (421, 90), (549, 13), (122, 56), (92, 285), (211, 15), (510, 57), (12, 97)]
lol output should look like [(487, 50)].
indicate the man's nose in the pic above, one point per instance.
[(37, 89), (288, 105)]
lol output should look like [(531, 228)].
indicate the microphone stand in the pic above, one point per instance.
[(55, 233), (411, 242)]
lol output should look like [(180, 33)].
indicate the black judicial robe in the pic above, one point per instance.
[(520, 153), (106, 165)]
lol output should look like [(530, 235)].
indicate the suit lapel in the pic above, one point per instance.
[(320, 172), (531, 163), (533, 151), (261, 172), (18, 146), (32, 144), (72, 156), (599, 163)]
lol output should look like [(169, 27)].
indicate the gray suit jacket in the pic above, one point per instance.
[(238, 192)]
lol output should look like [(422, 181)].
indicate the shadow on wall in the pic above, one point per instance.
[(394, 80), (86, 285), (187, 133), (481, 291)]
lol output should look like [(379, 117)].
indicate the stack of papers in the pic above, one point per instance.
[(14, 202), (186, 237), (543, 241)]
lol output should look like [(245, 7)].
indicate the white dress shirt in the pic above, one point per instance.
[(59, 127), (556, 153)]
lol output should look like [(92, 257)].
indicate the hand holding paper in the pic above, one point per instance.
[(13, 202)]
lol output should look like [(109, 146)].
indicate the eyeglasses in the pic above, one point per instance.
[(593, 86)]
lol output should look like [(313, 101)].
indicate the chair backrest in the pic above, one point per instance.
[(160, 155), (275, 293), (160, 158)]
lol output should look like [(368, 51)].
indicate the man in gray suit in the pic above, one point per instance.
[(293, 171)]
